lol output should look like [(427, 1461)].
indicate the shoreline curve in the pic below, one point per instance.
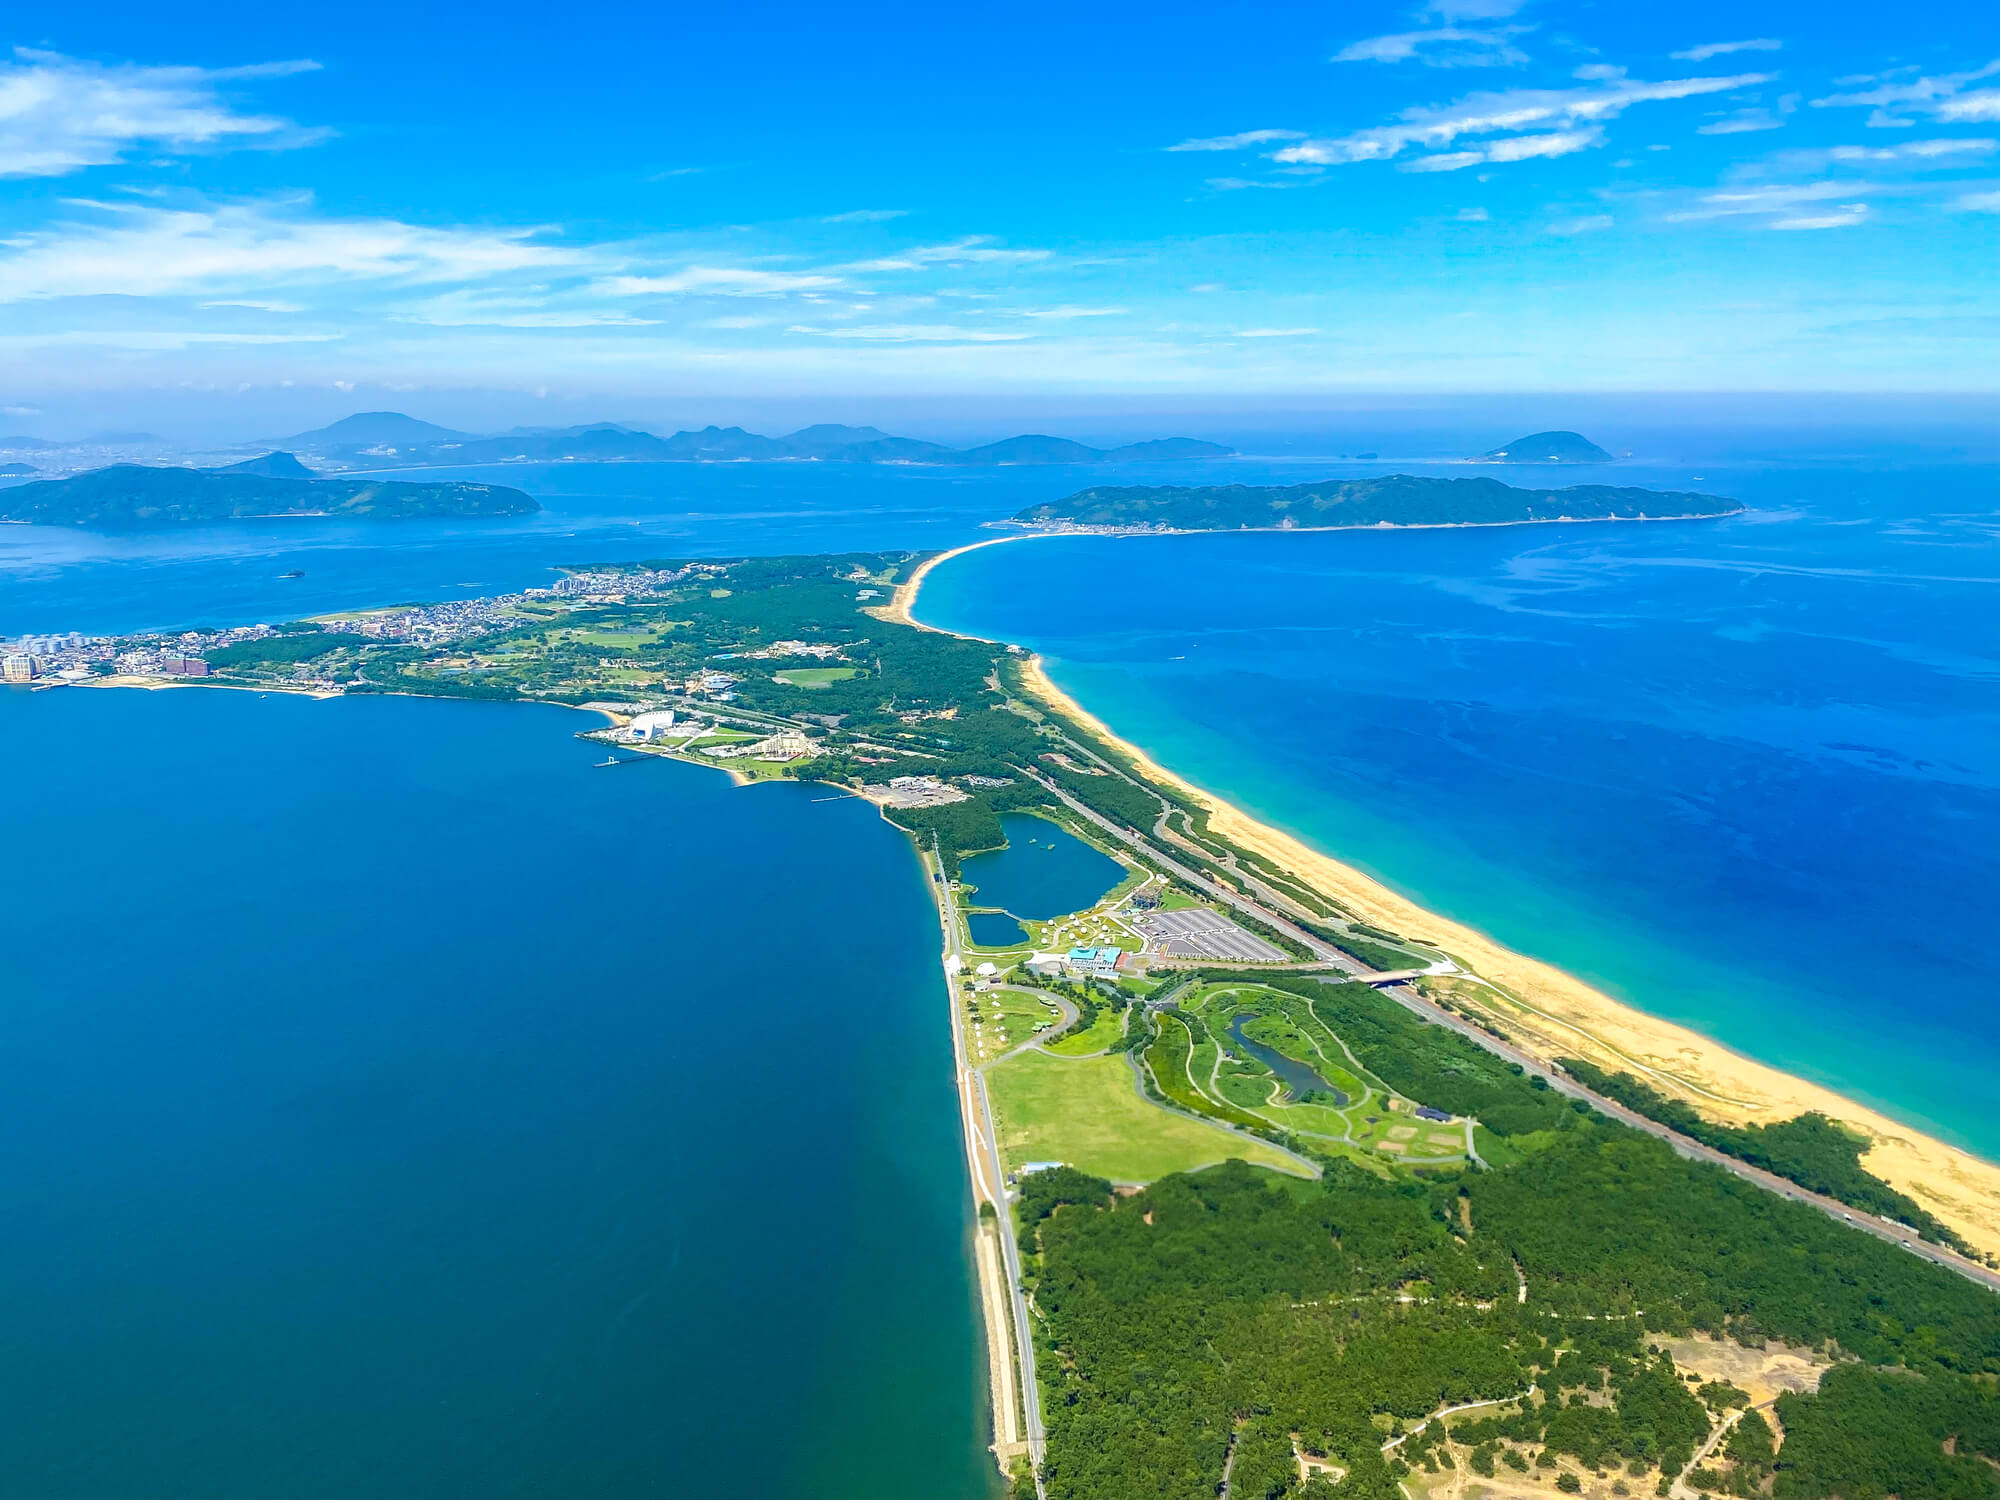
[(1551, 1013)]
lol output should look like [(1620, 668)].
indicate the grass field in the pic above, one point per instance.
[(1101, 1033), (1087, 1112), (1005, 1020), (816, 677)]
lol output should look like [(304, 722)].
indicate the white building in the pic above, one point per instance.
[(18, 669), (650, 726)]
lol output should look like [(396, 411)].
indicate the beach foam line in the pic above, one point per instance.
[(1554, 1014)]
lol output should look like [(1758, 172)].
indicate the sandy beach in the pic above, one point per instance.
[(1553, 1014)]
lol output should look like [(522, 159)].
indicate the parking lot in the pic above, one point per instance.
[(1205, 934)]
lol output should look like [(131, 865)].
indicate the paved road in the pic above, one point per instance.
[(991, 1183), (1562, 1082)]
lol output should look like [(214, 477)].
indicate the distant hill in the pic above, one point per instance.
[(373, 429), (15, 471), (134, 495), (1549, 448), (1392, 500), (270, 466), (390, 440)]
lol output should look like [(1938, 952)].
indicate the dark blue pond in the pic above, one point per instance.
[(1045, 871), (995, 929), (1299, 1080)]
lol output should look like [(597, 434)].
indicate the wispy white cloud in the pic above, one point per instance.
[(143, 250), (1942, 97), (1977, 203), (1441, 47), (1070, 311), (1473, 216), (1722, 49), (1846, 216), (972, 250), (1742, 122), (911, 333), (1274, 333), (1512, 148), (1786, 206), (1583, 224), (1243, 140), (1945, 153), (718, 281), (866, 216), (59, 115), (1521, 115)]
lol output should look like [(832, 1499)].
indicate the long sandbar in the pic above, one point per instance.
[(1551, 1013)]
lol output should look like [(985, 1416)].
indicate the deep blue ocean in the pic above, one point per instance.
[(393, 1104)]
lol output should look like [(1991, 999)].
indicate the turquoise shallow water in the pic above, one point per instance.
[(1743, 773), (392, 1104)]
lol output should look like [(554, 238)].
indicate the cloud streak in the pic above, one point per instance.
[(1722, 49), (1523, 117), (1440, 47), (59, 115), (142, 250), (1942, 97)]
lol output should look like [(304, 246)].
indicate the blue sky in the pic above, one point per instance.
[(623, 202)]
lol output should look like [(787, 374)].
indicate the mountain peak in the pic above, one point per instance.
[(1548, 448)]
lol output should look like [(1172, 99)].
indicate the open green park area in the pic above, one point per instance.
[(815, 677), (1252, 1053), (1087, 1111)]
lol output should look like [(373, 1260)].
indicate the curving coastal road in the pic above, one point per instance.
[(1693, 1150)]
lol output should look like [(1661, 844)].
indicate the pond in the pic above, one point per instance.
[(1299, 1080), (995, 929), (1045, 870)]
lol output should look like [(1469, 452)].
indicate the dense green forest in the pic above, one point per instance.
[(1390, 500), (1809, 1149), (136, 495), (1230, 1312)]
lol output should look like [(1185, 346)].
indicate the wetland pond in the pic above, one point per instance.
[(1299, 1080)]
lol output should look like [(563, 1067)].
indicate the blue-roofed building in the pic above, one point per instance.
[(1093, 960)]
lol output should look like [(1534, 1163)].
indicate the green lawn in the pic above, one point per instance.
[(816, 677), (1087, 1112), (1101, 1033)]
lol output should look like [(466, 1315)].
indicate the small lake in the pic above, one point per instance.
[(1045, 871), (995, 929), (1299, 1080)]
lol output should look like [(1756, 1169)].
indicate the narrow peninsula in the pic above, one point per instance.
[(1391, 500), (1281, 1185)]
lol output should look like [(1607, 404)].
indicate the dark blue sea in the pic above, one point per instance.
[(393, 1104)]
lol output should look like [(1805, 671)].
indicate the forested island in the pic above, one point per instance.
[(382, 439), (1559, 1303), (136, 495), (1390, 500)]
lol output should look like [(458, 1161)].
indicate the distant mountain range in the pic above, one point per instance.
[(1391, 500), (1548, 448), (388, 439), (138, 495)]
